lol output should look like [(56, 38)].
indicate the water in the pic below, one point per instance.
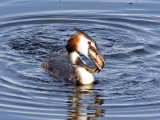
[(127, 33)]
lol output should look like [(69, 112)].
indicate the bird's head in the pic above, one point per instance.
[(83, 43)]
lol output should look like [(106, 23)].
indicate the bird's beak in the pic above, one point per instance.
[(96, 57)]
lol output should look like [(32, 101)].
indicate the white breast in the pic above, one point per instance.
[(84, 76)]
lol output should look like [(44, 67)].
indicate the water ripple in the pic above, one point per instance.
[(129, 83)]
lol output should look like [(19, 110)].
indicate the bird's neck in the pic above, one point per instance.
[(83, 76)]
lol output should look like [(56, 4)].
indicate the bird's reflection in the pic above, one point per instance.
[(84, 103)]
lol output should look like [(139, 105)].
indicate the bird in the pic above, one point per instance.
[(70, 66)]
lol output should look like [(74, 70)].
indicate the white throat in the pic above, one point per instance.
[(83, 75)]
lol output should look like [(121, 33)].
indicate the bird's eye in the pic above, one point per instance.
[(89, 42)]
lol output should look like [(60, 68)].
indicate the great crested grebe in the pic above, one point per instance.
[(74, 69)]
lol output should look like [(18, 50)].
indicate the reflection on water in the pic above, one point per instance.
[(85, 103)]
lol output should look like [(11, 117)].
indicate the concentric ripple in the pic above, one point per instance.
[(129, 83)]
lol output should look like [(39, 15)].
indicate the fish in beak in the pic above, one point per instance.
[(97, 58)]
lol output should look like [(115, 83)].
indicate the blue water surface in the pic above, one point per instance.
[(127, 33)]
